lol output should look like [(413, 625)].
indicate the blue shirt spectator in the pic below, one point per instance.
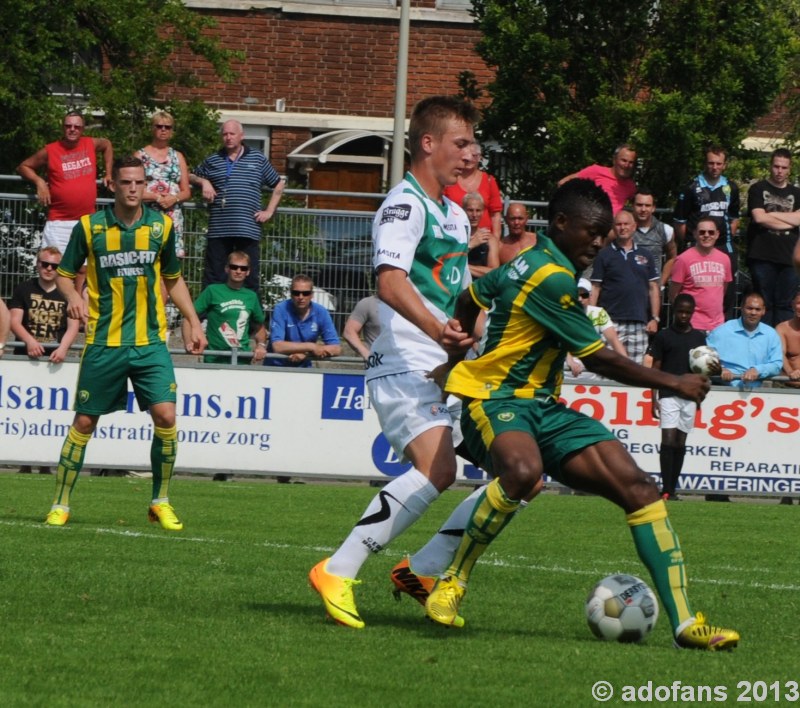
[(749, 349), (232, 181), (297, 326)]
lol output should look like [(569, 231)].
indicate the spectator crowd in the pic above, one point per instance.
[(645, 264)]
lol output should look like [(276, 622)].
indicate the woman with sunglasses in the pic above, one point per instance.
[(167, 175)]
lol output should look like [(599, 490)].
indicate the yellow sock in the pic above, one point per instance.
[(660, 550), (70, 463), (163, 451), (493, 510)]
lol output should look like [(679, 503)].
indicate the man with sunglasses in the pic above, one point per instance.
[(297, 326), (703, 272), (39, 311), (234, 314), (69, 187)]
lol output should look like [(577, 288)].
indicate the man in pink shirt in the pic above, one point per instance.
[(703, 272), (616, 181)]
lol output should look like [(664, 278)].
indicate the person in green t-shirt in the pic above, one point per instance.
[(234, 314)]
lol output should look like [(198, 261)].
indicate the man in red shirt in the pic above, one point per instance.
[(69, 189)]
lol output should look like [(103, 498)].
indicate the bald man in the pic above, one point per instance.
[(518, 236), (626, 284), (232, 180)]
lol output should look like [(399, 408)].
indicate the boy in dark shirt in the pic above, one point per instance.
[(670, 351)]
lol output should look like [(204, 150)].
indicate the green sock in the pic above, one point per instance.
[(69, 465), (493, 510), (660, 550), (163, 451)]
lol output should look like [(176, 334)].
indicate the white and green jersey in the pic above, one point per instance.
[(427, 240)]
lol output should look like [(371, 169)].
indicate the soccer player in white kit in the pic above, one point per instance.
[(420, 255)]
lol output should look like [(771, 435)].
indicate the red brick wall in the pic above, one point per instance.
[(328, 64)]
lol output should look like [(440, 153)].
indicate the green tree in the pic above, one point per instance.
[(574, 79), (115, 59)]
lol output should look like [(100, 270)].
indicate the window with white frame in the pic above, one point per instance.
[(454, 4), (256, 137)]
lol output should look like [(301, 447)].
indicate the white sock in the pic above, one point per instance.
[(393, 509), (435, 556)]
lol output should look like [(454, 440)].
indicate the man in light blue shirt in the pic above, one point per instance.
[(298, 324), (749, 349)]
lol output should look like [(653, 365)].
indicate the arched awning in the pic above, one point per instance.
[(325, 147)]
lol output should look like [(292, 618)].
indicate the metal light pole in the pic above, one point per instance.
[(399, 135)]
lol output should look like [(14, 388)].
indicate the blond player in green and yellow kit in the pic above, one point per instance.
[(515, 426), (128, 247)]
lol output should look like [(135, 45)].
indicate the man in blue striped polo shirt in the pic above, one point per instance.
[(232, 180)]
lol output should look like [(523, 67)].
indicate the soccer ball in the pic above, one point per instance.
[(702, 358), (621, 608)]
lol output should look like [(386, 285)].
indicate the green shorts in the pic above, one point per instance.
[(558, 430), (104, 373)]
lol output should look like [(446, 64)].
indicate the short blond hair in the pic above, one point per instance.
[(160, 116), (52, 250)]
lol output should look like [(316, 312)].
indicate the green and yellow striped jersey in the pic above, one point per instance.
[(534, 318), (124, 266)]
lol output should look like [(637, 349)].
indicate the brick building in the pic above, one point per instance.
[(316, 89)]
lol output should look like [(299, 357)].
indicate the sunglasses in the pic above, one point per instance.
[(48, 265), (583, 296), (163, 126), (244, 268), (703, 232), (304, 293)]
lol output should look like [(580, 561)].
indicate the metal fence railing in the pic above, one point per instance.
[(332, 246)]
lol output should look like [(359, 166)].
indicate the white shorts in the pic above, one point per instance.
[(409, 404), (677, 413), (57, 233)]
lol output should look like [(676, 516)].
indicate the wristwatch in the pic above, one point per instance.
[(657, 319)]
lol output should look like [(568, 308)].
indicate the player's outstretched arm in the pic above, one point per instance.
[(76, 307), (693, 387), (179, 293)]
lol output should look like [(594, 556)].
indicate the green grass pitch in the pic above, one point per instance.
[(113, 611)]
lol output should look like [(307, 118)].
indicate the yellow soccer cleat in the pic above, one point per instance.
[(164, 514), (57, 517), (337, 595), (442, 604), (701, 635), (415, 586)]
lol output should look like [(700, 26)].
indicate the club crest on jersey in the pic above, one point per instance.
[(83, 395), (566, 301), (157, 230), (439, 409), (396, 212)]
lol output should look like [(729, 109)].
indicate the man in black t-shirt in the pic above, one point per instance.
[(39, 311), (670, 351), (771, 239)]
